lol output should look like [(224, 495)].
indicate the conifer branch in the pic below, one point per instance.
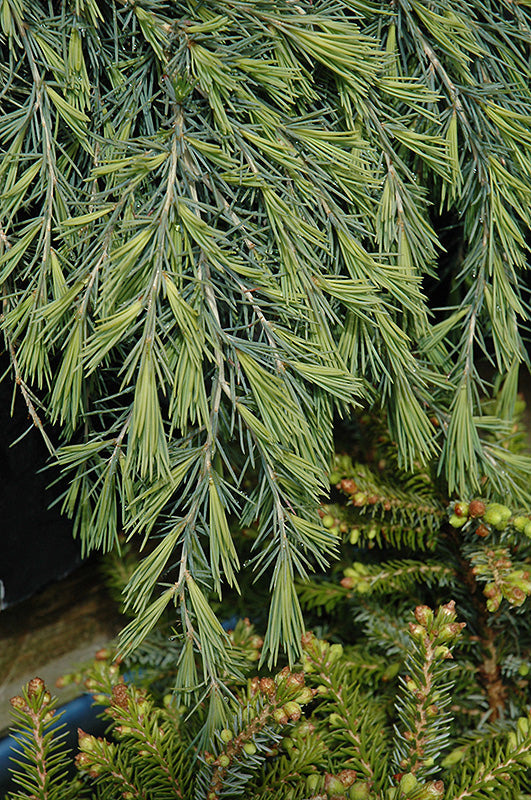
[(226, 226)]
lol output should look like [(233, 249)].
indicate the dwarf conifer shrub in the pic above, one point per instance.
[(397, 694), (349, 722), (406, 544)]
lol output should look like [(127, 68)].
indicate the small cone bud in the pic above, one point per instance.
[(520, 523), (454, 757), (476, 508), (295, 680), (35, 686), (120, 695), (456, 521), (417, 631), (359, 791), (424, 615), (304, 696), (347, 777), (523, 725), (267, 686), (280, 716), (435, 790), (348, 486), (312, 783), (293, 710), (359, 499), (408, 782), (333, 785), (448, 609), (461, 509), (86, 741)]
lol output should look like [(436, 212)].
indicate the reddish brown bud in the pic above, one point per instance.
[(267, 686), (348, 486), (347, 777), (516, 596), (476, 508), (435, 790), (449, 608), (295, 680), (461, 509), (417, 631), (18, 702), (120, 695), (35, 686)]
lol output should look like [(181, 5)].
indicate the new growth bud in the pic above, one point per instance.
[(408, 782), (476, 508), (35, 686), (424, 615)]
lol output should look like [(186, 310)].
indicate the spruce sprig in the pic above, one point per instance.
[(42, 759)]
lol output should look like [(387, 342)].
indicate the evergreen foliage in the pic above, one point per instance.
[(225, 225), (339, 726), (385, 704), (404, 545), (41, 759)]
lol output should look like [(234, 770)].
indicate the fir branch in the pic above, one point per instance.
[(43, 770), (424, 728)]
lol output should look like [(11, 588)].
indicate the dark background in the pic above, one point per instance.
[(36, 544)]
